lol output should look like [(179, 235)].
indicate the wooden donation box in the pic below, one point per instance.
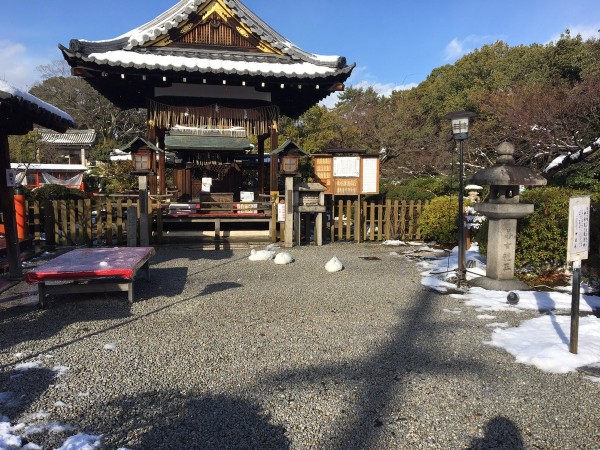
[(310, 199)]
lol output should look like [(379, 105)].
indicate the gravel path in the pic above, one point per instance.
[(223, 352)]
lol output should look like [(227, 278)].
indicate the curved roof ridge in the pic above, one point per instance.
[(180, 12), (264, 30)]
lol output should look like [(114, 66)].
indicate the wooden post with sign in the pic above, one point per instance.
[(577, 249)]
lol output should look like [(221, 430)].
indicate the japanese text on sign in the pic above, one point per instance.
[(579, 228)]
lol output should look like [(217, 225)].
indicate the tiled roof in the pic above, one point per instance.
[(228, 64), (127, 50), (70, 137)]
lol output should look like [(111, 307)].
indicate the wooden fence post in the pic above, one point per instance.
[(411, 222), (388, 219), (87, 208)]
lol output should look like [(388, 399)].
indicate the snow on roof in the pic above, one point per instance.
[(8, 91), (49, 167), (126, 58)]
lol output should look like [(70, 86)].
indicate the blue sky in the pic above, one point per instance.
[(395, 43)]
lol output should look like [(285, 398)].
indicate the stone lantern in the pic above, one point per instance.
[(502, 210)]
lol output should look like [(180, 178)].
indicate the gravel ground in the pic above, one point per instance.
[(221, 352)]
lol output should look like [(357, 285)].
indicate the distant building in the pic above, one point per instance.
[(73, 146), (36, 175)]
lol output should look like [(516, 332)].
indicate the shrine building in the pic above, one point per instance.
[(211, 74)]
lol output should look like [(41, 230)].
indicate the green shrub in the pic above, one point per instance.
[(542, 236), (56, 192), (407, 193), (439, 220), (424, 188)]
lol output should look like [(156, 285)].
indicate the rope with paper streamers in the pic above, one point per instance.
[(256, 121)]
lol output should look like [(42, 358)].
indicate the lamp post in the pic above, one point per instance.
[(460, 132)]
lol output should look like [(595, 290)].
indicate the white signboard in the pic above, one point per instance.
[(369, 176), (346, 166), (281, 212), (579, 228), (206, 184)]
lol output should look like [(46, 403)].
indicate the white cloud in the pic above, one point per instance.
[(454, 49), (18, 67), (460, 47), (586, 32), (361, 79), (384, 89)]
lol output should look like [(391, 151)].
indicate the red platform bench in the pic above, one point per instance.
[(91, 270)]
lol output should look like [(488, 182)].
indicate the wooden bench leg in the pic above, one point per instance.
[(217, 229), (146, 270), (41, 294)]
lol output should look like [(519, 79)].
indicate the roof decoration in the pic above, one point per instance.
[(253, 120)]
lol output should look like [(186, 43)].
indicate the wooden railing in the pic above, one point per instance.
[(103, 220)]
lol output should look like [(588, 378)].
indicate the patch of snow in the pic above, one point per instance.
[(283, 258), (334, 265)]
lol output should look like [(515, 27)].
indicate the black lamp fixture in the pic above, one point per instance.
[(460, 121)]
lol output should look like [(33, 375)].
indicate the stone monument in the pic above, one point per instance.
[(502, 210)]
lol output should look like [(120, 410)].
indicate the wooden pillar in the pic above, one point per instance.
[(274, 165), (261, 164), (8, 208)]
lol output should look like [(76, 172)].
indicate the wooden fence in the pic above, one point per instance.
[(103, 220), (354, 221)]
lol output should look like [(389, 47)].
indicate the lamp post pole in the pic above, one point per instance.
[(461, 215)]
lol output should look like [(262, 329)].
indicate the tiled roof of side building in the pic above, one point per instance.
[(70, 137)]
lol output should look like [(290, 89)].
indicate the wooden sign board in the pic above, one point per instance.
[(346, 186), (324, 171), (578, 241), (347, 175)]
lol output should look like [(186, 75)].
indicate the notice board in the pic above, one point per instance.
[(578, 241), (324, 171), (347, 175)]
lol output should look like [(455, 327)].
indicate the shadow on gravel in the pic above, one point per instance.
[(189, 253), (20, 388), (27, 323), (170, 420), (380, 380), (500, 434)]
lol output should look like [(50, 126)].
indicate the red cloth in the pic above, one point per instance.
[(92, 263)]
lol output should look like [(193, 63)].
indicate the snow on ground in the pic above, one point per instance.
[(542, 342)]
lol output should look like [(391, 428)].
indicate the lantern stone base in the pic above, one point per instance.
[(501, 256)]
